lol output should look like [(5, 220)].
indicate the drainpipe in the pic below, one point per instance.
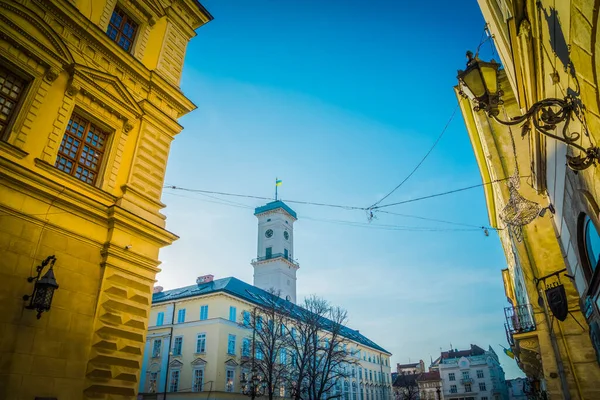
[(169, 352), (559, 362)]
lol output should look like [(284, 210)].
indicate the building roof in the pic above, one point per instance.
[(429, 376), (405, 380), (473, 351), (274, 205), (252, 294), (412, 365)]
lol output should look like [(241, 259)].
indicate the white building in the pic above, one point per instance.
[(473, 374)]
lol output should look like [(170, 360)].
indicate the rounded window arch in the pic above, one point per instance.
[(589, 245)]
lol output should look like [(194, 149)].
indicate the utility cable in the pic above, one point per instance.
[(373, 206), (437, 220), (441, 194)]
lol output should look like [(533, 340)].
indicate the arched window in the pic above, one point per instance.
[(589, 245)]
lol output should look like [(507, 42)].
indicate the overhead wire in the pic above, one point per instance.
[(482, 40), (435, 143), (441, 194)]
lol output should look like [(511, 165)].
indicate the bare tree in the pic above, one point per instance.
[(406, 387), (321, 354), (268, 369)]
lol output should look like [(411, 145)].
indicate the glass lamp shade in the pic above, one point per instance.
[(43, 292), (479, 82)]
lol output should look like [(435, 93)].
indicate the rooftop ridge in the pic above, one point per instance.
[(239, 288)]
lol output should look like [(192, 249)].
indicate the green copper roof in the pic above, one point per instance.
[(274, 205), (252, 294)]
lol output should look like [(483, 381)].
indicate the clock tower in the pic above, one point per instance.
[(274, 266)]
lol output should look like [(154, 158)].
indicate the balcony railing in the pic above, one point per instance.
[(519, 319), (277, 255), (466, 380)]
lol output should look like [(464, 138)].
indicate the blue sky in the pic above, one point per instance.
[(340, 100)]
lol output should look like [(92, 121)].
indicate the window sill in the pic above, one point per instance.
[(230, 354), (202, 353), (12, 150), (84, 187)]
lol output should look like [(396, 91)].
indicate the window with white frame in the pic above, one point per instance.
[(451, 376), (283, 356), (177, 345), (246, 347), (465, 374), (480, 373), (229, 379), (453, 389), (203, 312), (231, 345), (232, 314), (156, 346), (152, 382), (198, 380), (201, 343), (160, 318), (482, 386), (467, 387), (174, 381), (181, 316), (246, 317)]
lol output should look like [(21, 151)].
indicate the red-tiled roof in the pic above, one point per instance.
[(429, 376)]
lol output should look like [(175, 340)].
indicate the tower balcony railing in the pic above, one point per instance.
[(276, 255), (519, 319)]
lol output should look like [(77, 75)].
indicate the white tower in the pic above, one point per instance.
[(274, 266)]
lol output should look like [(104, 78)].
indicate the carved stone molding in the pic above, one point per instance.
[(73, 89), (127, 126), (51, 75)]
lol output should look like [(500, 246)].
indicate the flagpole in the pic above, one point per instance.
[(275, 188)]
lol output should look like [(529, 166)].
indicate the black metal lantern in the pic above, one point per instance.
[(479, 83), (43, 289)]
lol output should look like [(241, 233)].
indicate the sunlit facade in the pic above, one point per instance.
[(89, 103), (547, 51)]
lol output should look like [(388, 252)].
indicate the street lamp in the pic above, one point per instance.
[(43, 289), (254, 386), (479, 83)]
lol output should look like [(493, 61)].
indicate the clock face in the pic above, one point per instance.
[(286, 235), (269, 233)]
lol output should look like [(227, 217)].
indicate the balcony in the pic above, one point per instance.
[(466, 380), (277, 255), (519, 319)]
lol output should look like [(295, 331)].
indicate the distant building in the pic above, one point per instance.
[(430, 386), (517, 388), (473, 374), (414, 368)]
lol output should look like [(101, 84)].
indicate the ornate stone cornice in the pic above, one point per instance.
[(59, 52), (109, 49)]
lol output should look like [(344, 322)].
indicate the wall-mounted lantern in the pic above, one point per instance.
[(479, 83), (43, 290)]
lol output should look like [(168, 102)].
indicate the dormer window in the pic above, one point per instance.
[(122, 29)]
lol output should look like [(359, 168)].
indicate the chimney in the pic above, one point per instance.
[(204, 279), (157, 289)]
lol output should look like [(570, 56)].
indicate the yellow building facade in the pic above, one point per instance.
[(197, 339), (548, 50), (89, 103)]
